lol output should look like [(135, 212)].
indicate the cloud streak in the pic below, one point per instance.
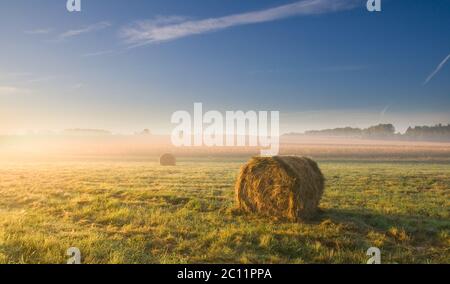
[(38, 32), (98, 53), (171, 28), (9, 90), (438, 68), (84, 30), (41, 79)]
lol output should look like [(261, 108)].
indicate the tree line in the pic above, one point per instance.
[(438, 132)]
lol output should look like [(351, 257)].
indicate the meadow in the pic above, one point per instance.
[(135, 211)]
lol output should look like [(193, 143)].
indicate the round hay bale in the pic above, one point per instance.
[(283, 187), (168, 160)]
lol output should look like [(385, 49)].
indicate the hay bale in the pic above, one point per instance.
[(167, 160), (283, 187)]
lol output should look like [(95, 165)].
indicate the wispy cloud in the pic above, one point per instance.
[(41, 79), (383, 112), (28, 78), (15, 74), (98, 53), (10, 90), (77, 86), (86, 29), (345, 68), (39, 31), (170, 28), (438, 68)]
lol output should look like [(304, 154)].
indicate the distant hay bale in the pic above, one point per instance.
[(283, 187), (167, 160)]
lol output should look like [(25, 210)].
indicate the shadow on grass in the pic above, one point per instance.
[(421, 228)]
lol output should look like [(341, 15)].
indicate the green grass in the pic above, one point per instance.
[(139, 212)]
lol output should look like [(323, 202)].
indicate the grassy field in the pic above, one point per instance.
[(138, 212)]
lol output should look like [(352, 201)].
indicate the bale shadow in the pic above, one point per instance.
[(421, 228)]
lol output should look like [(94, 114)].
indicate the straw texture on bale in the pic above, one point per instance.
[(167, 160), (284, 187)]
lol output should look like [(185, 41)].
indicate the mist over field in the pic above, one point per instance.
[(143, 146), (108, 195)]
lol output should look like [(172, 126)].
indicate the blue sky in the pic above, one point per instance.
[(128, 65)]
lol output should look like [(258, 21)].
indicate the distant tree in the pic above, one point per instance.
[(437, 132), (86, 132), (381, 130), (347, 131)]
